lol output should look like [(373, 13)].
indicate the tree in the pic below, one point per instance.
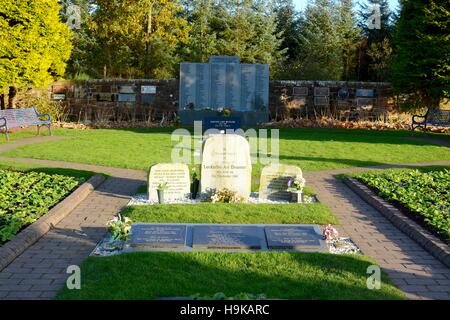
[(380, 54), (349, 34), (203, 38), (321, 42), (421, 64), (34, 44)]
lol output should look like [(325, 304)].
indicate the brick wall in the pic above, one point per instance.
[(97, 100)]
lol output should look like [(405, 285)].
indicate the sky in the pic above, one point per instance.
[(301, 4)]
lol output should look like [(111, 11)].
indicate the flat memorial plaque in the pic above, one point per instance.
[(364, 93), (148, 89), (294, 238), (321, 91), (320, 101), (158, 235), (227, 237), (300, 91)]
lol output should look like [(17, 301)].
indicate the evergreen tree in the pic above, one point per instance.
[(321, 42), (34, 44), (421, 65), (349, 34), (386, 20)]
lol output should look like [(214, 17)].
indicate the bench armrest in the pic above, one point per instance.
[(49, 118), (2, 122), (418, 116)]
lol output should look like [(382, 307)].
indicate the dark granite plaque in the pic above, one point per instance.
[(222, 123), (188, 92), (233, 86), (148, 98), (158, 235), (202, 78), (321, 91), (225, 59), (300, 91), (261, 87), (126, 97), (293, 237), (364, 93), (321, 101), (248, 83), (218, 83), (227, 237)]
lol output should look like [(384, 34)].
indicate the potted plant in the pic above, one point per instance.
[(160, 189), (195, 184), (120, 228), (295, 187)]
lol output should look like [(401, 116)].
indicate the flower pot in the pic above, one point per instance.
[(297, 197), (160, 196), (194, 188)]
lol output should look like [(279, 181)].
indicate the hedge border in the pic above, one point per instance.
[(423, 237), (31, 234)]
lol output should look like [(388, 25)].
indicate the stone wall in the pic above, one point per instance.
[(123, 100)]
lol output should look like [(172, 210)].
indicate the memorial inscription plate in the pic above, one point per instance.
[(364, 93), (274, 179), (300, 91), (320, 101), (158, 235), (321, 91), (227, 237), (294, 237), (176, 175)]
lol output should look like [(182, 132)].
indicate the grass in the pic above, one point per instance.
[(309, 148), (276, 274), (233, 213)]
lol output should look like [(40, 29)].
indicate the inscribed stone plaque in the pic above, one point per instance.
[(177, 177), (364, 93), (222, 123), (225, 59), (233, 86), (321, 101), (226, 163), (218, 83), (188, 93), (58, 96), (321, 91), (148, 98), (105, 97), (126, 89), (300, 91), (202, 82), (300, 101), (261, 87), (304, 237), (227, 237), (148, 89), (274, 179), (248, 83), (126, 97), (158, 235)]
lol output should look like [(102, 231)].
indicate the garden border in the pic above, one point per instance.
[(27, 237), (423, 237)]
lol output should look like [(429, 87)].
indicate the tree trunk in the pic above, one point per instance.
[(2, 101), (12, 97)]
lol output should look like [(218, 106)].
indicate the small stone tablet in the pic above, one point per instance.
[(158, 236), (227, 237), (293, 237)]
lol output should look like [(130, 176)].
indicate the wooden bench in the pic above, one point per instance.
[(11, 118), (433, 117)]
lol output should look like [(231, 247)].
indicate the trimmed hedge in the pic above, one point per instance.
[(423, 195), (26, 196)]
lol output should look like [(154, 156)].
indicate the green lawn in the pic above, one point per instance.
[(311, 148), (233, 213), (275, 274)]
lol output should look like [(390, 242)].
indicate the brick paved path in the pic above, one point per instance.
[(409, 266), (40, 271)]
